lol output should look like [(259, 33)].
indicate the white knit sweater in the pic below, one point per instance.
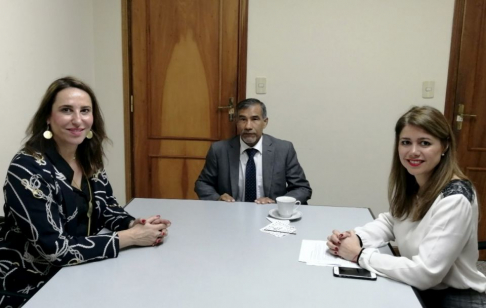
[(437, 252)]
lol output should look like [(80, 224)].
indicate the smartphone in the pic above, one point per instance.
[(357, 273)]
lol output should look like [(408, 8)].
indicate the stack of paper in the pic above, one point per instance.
[(317, 253)]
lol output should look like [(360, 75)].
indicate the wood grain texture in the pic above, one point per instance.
[(127, 117), (140, 163), (454, 59), (471, 91), (184, 71), (185, 61), (243, 49), (169, 187)]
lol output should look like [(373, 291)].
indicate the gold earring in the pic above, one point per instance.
[(89, 135), (47, 134)]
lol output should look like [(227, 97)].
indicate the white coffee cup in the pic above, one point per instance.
[(287, 206)]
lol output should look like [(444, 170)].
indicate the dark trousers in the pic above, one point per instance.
[(453, 298)]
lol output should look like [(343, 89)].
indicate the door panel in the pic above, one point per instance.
[(184, 68), (471, 92), (168, 187), (185, 57)]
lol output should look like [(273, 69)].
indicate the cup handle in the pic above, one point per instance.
[(298, 205)]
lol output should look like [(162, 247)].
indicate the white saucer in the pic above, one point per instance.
[(295, 216)]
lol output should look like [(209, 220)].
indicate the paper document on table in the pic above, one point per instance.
[(317, 253), (282, 227), (278, 228)]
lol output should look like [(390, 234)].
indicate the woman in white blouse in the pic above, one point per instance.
[(433, 218)]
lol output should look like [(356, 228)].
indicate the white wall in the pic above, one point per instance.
[(38, 47), (108, 68), (339, 74), (45, 40)]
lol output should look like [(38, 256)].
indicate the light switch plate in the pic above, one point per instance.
[(428, 88), (261, 85)]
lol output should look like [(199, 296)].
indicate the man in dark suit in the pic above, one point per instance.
[(273, 170)]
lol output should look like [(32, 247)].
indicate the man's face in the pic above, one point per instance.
[(250, 124)]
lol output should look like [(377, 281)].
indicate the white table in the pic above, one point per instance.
[(216, 256)]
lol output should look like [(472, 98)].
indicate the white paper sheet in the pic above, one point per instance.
[(281, 227), (317, 253), (276, 234)]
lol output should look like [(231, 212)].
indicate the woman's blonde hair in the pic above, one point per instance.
[(402, 186)]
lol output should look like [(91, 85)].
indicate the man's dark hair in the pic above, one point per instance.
[(250, 102)]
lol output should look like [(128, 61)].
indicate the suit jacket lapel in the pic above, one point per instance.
[(267, 162), (234, 164)]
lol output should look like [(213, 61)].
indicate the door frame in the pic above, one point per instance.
[(128, 88), (452, 99), (455, 52)]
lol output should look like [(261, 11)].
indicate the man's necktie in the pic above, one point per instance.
[(250, 177)]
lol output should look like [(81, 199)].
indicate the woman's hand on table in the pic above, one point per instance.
[(153, 220), (344, 244), (145, 232)]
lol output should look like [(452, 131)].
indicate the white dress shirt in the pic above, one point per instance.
[(258, 164)]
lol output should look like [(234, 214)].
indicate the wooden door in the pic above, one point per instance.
[(185, 59), (468, 79)]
